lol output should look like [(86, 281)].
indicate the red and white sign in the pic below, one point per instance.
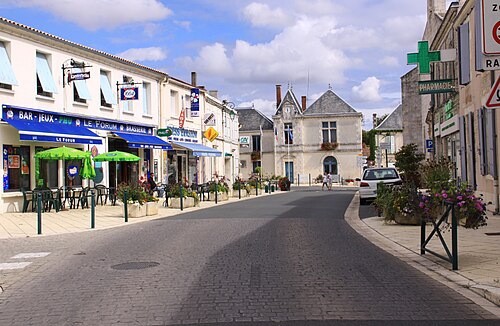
[(182, 119), (494, 98), (490, 16)]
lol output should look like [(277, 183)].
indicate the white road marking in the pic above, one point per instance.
[(13, 265), (30, 255)]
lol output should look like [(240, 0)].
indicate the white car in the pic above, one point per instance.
[(371, 177)]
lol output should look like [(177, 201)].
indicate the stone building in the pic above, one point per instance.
[(389, 133)]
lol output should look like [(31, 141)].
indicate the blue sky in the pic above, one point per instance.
[(244, 48)]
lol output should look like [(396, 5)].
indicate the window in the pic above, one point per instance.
[(330, 165), (16, 160), (7, 77), (243, 164), (107, 97), (80, 90), (45, 85), (146, 98), (128, 106), (255, 165), (329, 131), (256, 143), (174, 103), (48, 175), (288, 129)]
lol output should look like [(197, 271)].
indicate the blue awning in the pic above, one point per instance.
[(198, 149), (143, 141), (53, 132)]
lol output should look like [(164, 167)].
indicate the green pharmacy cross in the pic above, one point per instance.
[(423, 58)]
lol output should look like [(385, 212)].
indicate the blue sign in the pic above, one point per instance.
[(72, 171), (429, 144), (195, 102), (129, 93)]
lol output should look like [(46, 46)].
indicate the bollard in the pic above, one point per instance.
[(92, 210), (256, 188), (125, 205), (216, 191), (239, 189), (181, 196), (309, 179), (39, 211)]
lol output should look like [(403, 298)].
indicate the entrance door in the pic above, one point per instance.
[(289, 171), (330, 165)]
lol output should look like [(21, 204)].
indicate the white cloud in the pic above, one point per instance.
[(268, 108), (184, 24), (293, 54), (368, 90), (144, 54), (261, 15), (368, 115), (389, 61), (96, 14)]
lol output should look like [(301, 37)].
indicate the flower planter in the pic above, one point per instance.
[(186, 202), (406, 219), (151, 208), (135, 210), (221, 196), (244, 193)]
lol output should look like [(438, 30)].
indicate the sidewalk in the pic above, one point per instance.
[(478, 253)]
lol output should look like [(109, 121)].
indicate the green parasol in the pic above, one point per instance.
[(62, 153), (116, 156), (87, 171)]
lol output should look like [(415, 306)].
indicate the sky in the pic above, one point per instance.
[(244, 48)]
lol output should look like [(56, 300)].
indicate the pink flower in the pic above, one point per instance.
[(445, 195), (421, 205), (437, 195), (459, 197), (479, 206)]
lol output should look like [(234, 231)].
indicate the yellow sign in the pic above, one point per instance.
[(211, 134)]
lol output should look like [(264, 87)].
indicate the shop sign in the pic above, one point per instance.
[(211, 134), (5, 169), (78, 75), (209, 119), (448, 110), (47, 117), (245, 141), (182, 118), (72, 171), (436, 86), (450, 126), (166, 132), (195, 102), (182, 134), (129, 93)]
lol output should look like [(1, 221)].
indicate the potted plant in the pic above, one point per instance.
[(151, 205), (135, 198), (220, 187), (284, 184), (255, 156), (329, 146), (241, 187), (189, 197)]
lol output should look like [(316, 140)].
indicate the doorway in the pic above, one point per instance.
[(289, 171)]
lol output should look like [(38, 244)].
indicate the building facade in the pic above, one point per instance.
[(389, 137)]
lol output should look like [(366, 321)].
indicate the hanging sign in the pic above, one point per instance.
[(436, 86), (245, 141), (129, 93), (195, 102), (211, 134), (78, 75), (182, 119), (209, 119), (164, 132)]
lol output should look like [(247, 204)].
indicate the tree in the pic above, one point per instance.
[(408, 163)]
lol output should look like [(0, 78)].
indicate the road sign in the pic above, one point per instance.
[(490, 16), (494, 98), (386, 145), (167, 132), (209, 119), (429, 144), (211, 134)]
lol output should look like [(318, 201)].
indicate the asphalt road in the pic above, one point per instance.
[(289, 258)]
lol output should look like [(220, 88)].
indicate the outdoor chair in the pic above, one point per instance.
[(101, 194), (84, 200), (27, 199)]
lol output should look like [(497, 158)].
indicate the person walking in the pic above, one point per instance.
[(325, 182), (329, 181)]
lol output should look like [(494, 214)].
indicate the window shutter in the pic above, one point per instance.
[(6, 73), (478, 36), (482, 143), (463, 148), (471, 151), (464, 53), (492, 142)]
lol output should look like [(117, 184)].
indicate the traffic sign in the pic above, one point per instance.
[(385, 145), (429, 144), (494, 98), (211, 134), (490, 16)]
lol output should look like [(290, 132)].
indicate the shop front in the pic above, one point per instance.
[(26, 131), (189, 161)]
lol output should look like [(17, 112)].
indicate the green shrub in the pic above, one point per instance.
[(135, 193)]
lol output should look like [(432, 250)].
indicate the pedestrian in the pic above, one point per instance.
[(329, 181), (151, 183), (325, 182)]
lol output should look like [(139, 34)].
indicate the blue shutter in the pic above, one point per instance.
[(6, 73), (81, 86), (492, 144), (463, 148), (464, 53), (106, 89), (478, 36), (471, 178), (45, 74), (482, 142)]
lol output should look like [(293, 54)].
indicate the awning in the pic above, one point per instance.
[(53, 132), (198, 149), (143, 141)]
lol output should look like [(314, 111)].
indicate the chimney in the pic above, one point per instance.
[(193, 78), (213, 93), (304, 103), (436, 6), (278, 95), (374, 120)]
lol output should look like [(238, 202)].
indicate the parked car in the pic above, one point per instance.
[(371, 177)]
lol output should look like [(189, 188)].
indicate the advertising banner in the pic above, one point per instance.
[(195, 102), (129, 93)]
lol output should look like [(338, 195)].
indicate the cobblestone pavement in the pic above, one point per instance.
[(288, 258)]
